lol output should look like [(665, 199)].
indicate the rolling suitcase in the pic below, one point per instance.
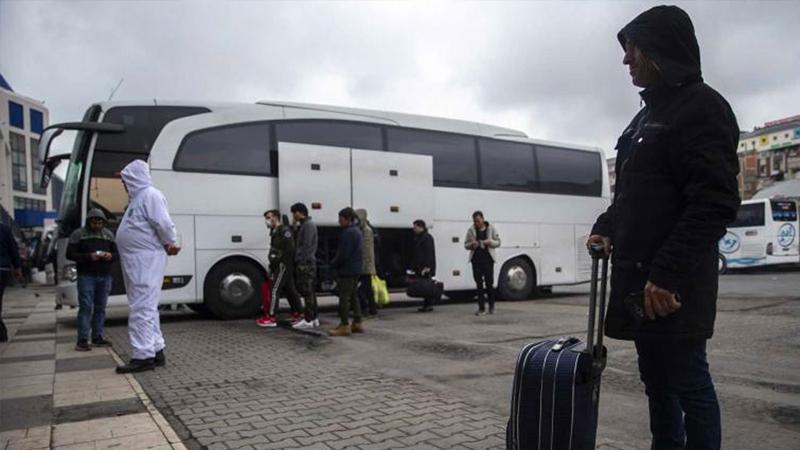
[(557, 384)]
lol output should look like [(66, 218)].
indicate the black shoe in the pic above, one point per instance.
[(137, 365), (491, 309), (101, 342), (160, 360), (83, 346)]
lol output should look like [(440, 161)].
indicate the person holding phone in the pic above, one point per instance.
[(145, 238), (481, 241), (93, 249)]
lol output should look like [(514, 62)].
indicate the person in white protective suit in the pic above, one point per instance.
[(146, 236)]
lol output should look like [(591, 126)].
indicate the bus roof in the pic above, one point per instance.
[(367, 115)]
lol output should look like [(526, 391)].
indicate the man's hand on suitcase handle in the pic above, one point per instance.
[(601, 241), (659, 302)]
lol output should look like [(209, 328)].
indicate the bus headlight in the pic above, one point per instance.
[(70, 273), (769, 248)]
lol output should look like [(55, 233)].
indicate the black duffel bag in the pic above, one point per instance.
[(425, 288)]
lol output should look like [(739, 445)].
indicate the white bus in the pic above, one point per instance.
[(764, 233), (221, 165)]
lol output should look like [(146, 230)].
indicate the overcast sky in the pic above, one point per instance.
[(552, 70)]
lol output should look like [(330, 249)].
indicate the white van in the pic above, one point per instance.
[(764, 233)]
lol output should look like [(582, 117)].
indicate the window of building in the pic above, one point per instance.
[(569, 172), (241, 149), (455, 162), (37, 121), (36, 169), (333, 133), (507, 165), (16, 116), (142, 126), (19, 166), (29, 203)]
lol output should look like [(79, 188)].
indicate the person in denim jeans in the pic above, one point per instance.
[(675, 195), (93, 249)]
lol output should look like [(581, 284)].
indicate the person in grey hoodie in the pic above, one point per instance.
[(306, 264), (366, 297), (481, 241)]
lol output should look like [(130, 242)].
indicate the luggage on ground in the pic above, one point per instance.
[(421, 287), (556, 389)]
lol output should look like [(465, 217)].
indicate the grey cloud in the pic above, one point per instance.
[(551, 69)]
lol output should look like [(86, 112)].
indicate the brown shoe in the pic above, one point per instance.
[(341, 330), (357, 327)]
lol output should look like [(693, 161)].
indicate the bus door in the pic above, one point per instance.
[(394, 188)]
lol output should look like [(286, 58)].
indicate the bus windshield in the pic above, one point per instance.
[(784, 211), (750, 215)]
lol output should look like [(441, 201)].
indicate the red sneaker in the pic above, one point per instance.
[(297, 318), (267, 322)]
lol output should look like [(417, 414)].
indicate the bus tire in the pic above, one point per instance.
[(517, 280), (722, 267), (232, 289), (200, 308)]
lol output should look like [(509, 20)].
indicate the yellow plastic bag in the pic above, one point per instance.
[(380, 291)]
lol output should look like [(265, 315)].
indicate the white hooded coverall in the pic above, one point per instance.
[(145, 229)]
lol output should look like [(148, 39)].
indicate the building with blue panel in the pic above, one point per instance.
[(22, 120)]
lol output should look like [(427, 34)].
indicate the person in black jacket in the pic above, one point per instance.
[(348, 264), (9, 264), (424, 262), (281, 268), (676, 192), (92, 247)]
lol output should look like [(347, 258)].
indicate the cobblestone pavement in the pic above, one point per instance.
[(442, 380), (230, 385)]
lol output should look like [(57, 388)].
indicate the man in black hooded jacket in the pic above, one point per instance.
[(676, 192)]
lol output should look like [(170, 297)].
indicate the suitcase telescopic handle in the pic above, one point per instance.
[(594, 339)]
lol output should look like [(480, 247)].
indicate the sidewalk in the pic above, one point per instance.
[(52, 396)]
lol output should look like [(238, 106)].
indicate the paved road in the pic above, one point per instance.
[(442, 380)]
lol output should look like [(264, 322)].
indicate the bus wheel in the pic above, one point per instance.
[(233, 290), (200, 308), (722, 267), (517, 280)]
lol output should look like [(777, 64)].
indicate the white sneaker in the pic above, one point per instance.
[(316, 323), (303, 324)]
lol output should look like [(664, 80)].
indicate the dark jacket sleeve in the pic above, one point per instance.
[(343, 251), (114, 251), (11, 245), (705, 163), (429, 250), (604, 225)]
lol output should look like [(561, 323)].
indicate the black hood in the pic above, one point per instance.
[(666, 35)]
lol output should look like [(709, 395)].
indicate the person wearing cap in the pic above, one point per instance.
[(146, 237), (93, 249), (675, 195)]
